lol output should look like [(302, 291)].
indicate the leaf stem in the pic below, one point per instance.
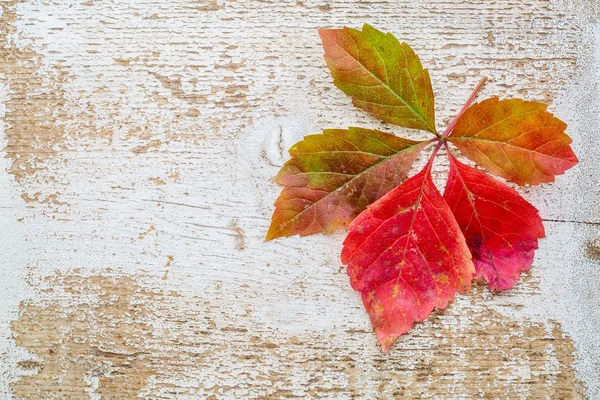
[(437, 147), (468, 103), (441, 140), (449, 153), (432, 156)]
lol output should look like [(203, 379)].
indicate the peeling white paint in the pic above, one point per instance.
[(13, 263), (159, 77)]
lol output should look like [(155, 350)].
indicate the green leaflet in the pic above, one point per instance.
[(383, 76)]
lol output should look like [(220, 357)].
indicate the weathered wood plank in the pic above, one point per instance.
[(141, 138)]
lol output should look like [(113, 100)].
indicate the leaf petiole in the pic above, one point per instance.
[(432, 156), (467, 104), (441, 140)]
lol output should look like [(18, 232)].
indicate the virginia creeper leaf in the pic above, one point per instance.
[(500, 227), (383, 76), (515, 139), (411, 249), (406, 256), (333, 176)]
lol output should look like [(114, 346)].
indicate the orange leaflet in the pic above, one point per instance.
[(332, 177), (383, 76), (406, 256), (500, 227), (515, 139)]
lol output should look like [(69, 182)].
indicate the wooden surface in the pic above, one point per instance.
[(140, 141)]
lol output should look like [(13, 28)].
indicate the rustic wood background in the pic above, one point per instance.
[(140, 139)]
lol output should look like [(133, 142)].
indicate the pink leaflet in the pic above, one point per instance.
[(500, 227)]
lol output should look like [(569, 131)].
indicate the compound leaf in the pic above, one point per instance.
[(409, 249)]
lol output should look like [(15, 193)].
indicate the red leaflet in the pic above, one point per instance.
[(500, 227), (406, 256)]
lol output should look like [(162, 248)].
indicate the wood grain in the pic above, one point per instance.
[(141, 139)]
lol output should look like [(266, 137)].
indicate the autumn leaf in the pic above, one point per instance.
[(515, 139), (333, 176), (406, 256), (411, 249), (500, 227), (383, 76)]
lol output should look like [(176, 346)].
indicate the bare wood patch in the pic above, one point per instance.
[(36, 102), (95, 344), (208, 77), (108, 334)]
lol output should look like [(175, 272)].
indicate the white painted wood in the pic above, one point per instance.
[(140, 142)]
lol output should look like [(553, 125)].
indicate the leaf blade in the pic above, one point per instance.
[(383, 76), (501, 228), (401, 275), (515, 139), (333, 176)]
